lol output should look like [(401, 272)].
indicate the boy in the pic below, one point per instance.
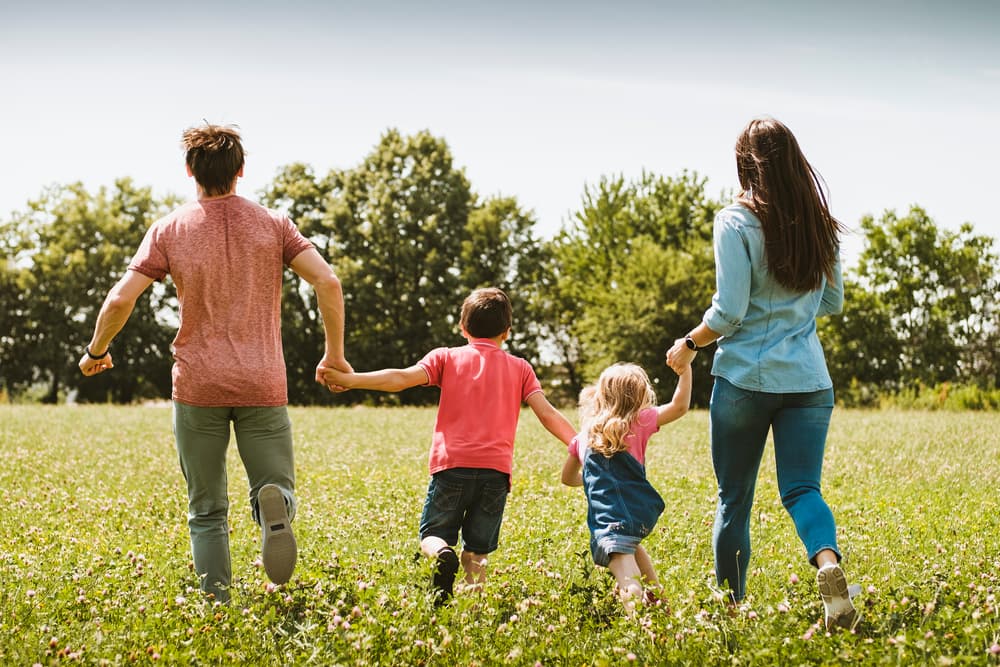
[(482, 388)]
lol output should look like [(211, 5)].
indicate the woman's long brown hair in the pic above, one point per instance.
[(801, 238)]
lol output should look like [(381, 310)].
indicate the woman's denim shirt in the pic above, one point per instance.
[(769, 339)]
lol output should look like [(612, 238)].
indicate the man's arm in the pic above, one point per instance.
[(311, 267), (387, 379), (115, 311), (553, 420)]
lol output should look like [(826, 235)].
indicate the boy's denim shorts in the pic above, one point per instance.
[(468, 499)]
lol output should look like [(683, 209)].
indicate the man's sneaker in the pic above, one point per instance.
[(278, 550), (840, 611), (445, 570)]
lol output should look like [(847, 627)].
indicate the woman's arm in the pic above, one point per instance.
[(832, 301)]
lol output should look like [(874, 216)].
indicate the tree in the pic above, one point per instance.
[(399, 220), (500, 249), (409, 239), (920, 309), (68, 248), (305, 198), (634, 270)]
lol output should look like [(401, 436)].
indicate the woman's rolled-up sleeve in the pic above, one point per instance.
[(832, 301), (732, 279)]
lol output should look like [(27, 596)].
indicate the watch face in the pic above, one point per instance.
[(690, 344)]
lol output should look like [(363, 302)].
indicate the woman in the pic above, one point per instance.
[(777, 270)]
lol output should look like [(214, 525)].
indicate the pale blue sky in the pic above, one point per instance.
[(894, 101)]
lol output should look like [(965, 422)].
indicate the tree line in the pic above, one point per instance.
[(630, 270)]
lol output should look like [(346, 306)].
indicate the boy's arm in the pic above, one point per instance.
[(572, 471), (387, 379), (553, 420), (679, 404)]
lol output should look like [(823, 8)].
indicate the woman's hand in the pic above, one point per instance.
[(680, 356)]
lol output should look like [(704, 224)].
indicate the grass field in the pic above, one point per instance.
[(95, 558)]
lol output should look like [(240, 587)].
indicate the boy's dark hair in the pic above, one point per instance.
[(486, 313), (215, 155)]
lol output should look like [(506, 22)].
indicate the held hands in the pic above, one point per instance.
[(329, 371), (680, 356)]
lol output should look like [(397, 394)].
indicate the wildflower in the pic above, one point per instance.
[(794, 579)]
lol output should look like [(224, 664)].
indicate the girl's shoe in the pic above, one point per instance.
[(278, 549), (840, 611)]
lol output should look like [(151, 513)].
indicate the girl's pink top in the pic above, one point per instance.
[(642, 430)]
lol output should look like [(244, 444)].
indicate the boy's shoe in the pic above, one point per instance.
[(278, 549), (445, 570), (833, 588)]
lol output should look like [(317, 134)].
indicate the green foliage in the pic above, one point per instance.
[(921, 309), (944, 396), (409, 239), (500, 249), (66, 251), (633, 271), (96, 564)]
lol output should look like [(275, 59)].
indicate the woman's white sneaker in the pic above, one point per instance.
[(840, 611)]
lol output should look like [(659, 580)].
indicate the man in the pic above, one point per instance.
[(226, 256)]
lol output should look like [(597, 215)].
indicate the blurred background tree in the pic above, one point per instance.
[(630, 270)]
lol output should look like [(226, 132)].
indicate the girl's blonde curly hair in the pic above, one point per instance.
[(610, 407)]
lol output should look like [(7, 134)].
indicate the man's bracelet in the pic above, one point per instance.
[(95, 357)]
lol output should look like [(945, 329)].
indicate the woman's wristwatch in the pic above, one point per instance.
[(691, 345)]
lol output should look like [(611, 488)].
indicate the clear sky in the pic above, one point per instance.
[(895, 102)]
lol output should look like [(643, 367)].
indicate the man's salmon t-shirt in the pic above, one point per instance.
[(226, 257), (482, 389)]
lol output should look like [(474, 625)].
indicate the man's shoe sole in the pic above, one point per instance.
[(278, 549)]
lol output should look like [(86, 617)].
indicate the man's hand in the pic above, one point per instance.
[(91, 366)]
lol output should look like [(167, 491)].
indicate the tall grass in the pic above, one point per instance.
[(95, 559)]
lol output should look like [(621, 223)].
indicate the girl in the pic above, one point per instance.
[(777, 270), (607, 458)]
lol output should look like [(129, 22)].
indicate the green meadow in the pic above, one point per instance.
[(95, 560)]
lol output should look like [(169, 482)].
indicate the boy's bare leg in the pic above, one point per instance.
[(475, 569), (626, 571)]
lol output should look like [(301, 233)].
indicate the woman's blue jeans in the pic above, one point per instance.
[(739, 424)]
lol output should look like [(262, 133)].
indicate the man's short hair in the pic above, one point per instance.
[(215, 155), (486, 313)]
